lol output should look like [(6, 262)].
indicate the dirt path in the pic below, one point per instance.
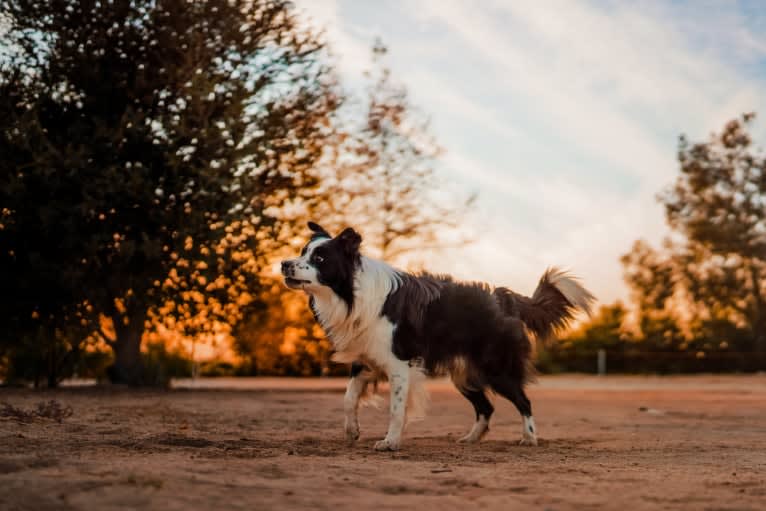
[(613, 443)]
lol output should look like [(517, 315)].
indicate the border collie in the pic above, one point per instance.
[(402, 326)]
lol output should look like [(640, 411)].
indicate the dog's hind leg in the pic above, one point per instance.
[(483, 409), (513, 390), (361, 375)]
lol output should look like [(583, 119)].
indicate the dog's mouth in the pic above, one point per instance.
[(295, 283)]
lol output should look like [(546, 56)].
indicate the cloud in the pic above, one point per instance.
[(604, 81), (562, 224), (352, 54)]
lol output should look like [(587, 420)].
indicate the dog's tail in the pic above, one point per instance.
[(555, 302)]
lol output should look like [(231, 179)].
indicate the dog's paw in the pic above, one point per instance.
[(352, 435), (478, 432), (386, 445), (470, 438), (528, 440), (351, 428)]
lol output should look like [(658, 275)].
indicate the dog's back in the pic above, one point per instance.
[(446, 323), (462, 328)]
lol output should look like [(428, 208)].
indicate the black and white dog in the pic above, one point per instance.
[(401, 326)]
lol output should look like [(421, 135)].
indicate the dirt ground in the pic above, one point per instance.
[(609, 443)]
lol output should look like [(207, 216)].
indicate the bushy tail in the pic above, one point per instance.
[(558, 297)]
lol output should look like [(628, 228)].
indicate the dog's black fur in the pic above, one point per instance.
[(439, 321), (336, 261)]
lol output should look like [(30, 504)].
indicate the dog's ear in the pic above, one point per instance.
[(318, 230), (350, 240)]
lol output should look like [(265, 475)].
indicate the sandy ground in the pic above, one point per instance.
[(610, 443)]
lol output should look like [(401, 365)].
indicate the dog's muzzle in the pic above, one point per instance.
[(288, 272)]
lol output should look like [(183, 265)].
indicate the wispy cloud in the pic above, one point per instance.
[(351, 53)]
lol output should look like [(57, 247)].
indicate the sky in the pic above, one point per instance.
[(563, 116)]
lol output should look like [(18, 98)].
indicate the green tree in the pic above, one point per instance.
[(134, 135), (718, 204), (650, 276)]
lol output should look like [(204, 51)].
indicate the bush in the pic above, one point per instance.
[(161, 365)]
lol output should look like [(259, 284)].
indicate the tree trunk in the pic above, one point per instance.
[(128, 367), (53, 373)]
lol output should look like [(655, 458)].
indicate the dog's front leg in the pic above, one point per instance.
[(399, 378), (361, 375)]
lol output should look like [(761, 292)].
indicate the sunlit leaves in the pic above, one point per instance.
[(153, 126), (714, 269)]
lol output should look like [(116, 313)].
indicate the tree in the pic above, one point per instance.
[(137, 134), (578, 351), (718, 204), (650, 278), (280, 337), (381, 173), (378, 173), (41, 323)]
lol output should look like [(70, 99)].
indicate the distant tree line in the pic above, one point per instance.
[(156, 156), (698, 302)]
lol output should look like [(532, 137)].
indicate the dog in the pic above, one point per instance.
[(402, 326)]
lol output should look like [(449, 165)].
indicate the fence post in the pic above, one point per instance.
[(601, 362)]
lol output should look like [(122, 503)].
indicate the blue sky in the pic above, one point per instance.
[(564, 116)]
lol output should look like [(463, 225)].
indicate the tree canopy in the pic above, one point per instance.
[(699, 300), (718, 205), (138, 133)]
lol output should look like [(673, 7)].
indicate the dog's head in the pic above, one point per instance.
[(325, 262)]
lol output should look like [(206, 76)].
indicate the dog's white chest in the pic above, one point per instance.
[(362, 331), (361, 334)]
